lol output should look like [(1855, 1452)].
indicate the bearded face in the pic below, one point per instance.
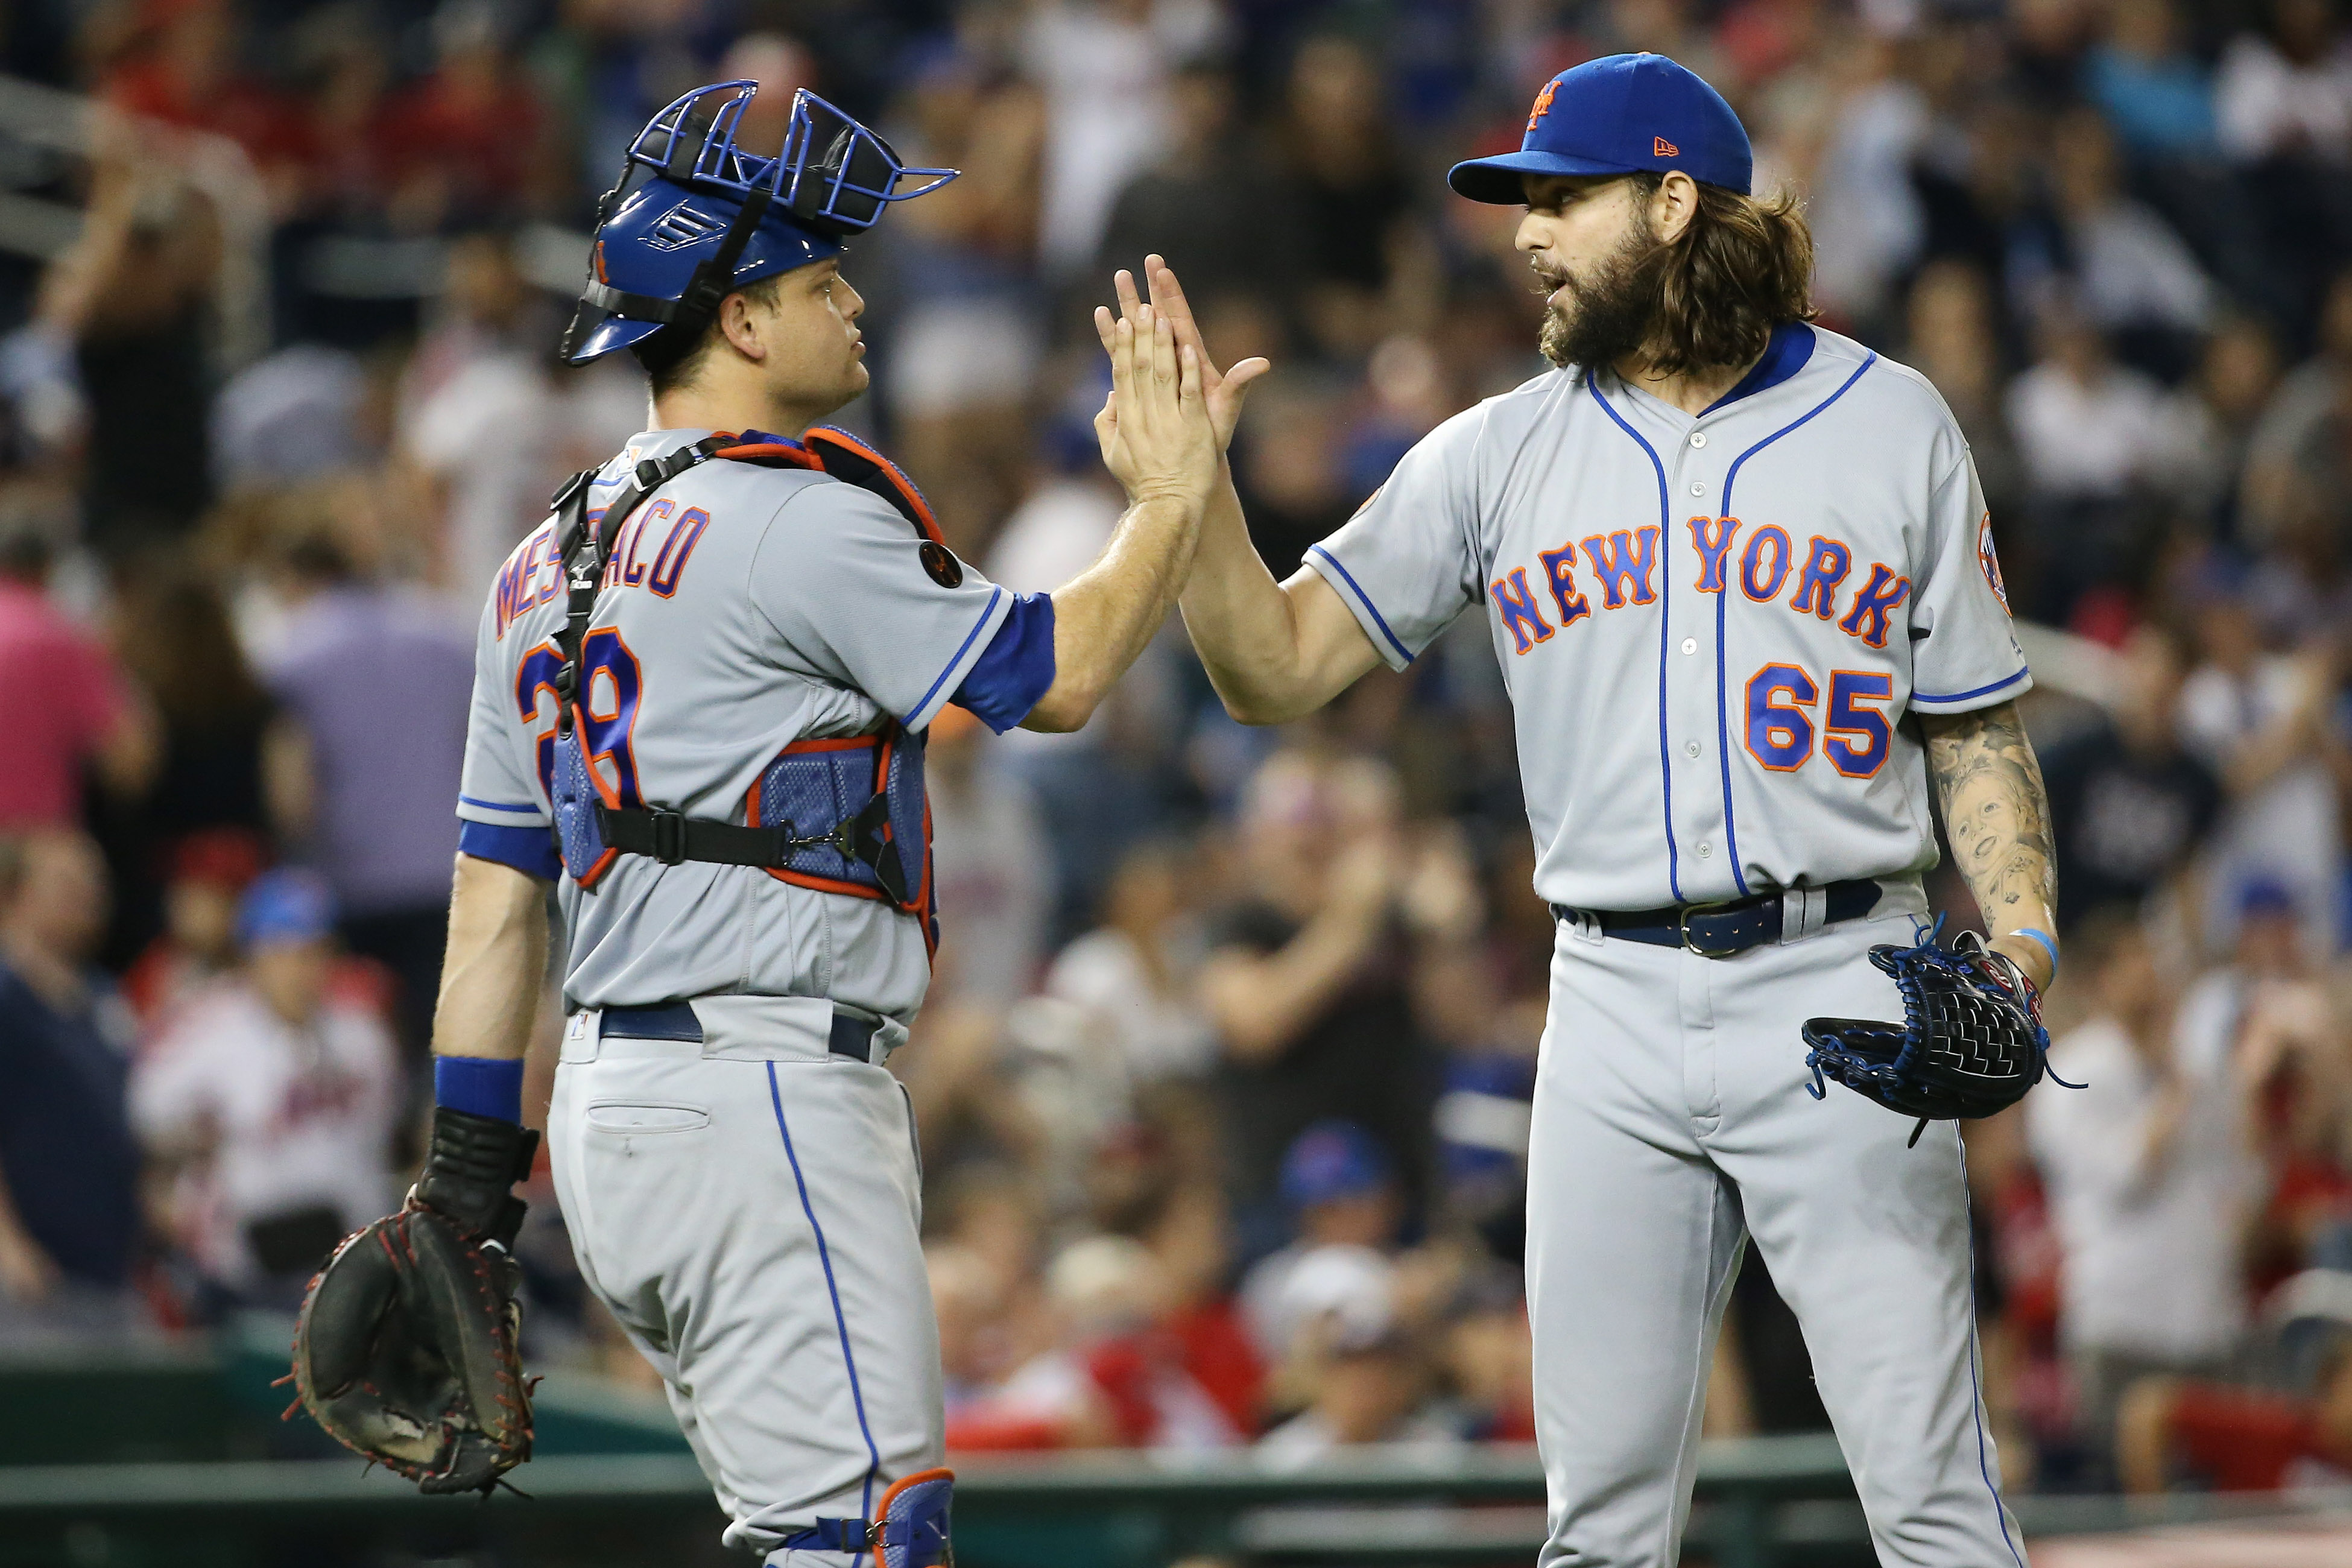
[(1604, 312)]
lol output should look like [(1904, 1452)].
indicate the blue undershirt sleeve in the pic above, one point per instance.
[(1015, 668), (530, 850)]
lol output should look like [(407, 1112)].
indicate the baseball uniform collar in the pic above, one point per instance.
[(1786, 353)]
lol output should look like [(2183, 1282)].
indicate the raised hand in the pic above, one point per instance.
[(1223, 391), (1156, 434)]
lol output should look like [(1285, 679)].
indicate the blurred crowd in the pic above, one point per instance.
[(1224, 1082)]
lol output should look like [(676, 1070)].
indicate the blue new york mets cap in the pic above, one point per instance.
[(1621, 114)]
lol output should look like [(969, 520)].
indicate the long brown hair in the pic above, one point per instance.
[(1743, 266)]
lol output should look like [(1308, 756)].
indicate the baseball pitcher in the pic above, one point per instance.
[(711, 673), (1739, 578)]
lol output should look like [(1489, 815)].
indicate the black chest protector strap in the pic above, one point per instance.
[(657, 832), (586, 553), (671, 837)]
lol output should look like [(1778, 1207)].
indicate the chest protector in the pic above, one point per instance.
[(845, 814)]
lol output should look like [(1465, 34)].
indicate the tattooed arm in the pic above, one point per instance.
[(1997, 817)]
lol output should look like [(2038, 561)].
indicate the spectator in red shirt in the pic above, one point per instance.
[(68, 705), (469, 143), (2238, 1440), (178, 65)]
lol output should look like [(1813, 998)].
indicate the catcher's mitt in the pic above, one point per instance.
[(1971, 1043), (405, 1349)]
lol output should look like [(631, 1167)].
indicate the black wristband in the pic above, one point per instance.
[(469, 1170)]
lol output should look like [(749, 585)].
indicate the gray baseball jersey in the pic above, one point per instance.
[(1711, 627), (751, 607)]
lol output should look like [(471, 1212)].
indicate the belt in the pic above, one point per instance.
[(852, 1035), (1725, 929)]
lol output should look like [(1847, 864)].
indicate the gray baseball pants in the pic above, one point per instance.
[(1672, 1124), (749, 1208)]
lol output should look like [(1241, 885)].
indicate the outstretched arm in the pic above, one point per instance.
[(1997, 815), (1160, 446), (1273, 650)]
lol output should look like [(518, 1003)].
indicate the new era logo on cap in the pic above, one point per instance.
[(1591, 120)]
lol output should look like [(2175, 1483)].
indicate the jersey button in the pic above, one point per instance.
[(1705, 850), (1698, 437), (1690, 645), (1698, 486), (1690, 748)]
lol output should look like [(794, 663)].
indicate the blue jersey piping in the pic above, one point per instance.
[(2023, 670), (994, 593), (1722, 599), (1366, 599), (1665, 626)]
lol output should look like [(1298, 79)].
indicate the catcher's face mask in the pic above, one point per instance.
[(713, 218), (832, 174)]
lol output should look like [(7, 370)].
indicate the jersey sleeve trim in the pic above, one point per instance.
[(992, 615), (1016, 669), (536, 813), (1976, 697), (1359, 604), (530, 850)]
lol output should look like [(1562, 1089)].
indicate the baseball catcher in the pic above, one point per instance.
[(702, 688)]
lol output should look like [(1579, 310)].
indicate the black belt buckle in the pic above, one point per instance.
[(668, 834), (1682, 929)]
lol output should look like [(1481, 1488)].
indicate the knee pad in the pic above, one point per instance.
[(914, 1522)]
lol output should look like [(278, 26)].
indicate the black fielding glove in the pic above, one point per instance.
[(1970, 1043), (405, 1350)]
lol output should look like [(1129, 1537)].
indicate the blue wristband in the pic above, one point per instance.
[(483, 1086), (2048, 946)]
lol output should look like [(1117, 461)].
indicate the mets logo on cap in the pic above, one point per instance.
[(1543, 104), (1621, 114)]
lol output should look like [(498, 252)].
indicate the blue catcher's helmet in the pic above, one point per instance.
[(714, 217)]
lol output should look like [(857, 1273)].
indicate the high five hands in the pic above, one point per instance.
[(1223, 392), (1155, 431)]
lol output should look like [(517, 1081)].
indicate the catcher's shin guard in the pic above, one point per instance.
[(910, 1527)]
